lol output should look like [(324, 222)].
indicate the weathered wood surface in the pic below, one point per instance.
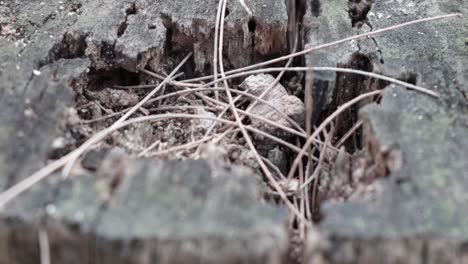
[(46, 49), (176, 212), (161, 212), (418, 214)]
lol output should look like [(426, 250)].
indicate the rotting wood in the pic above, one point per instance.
[(407, 205)]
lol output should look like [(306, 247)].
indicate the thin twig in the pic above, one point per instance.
[(331, 44), (181, 108), (274, 167), (335, 69), (39, 175), (301, 181), (273, 85), (302, 198), (247, 138), (316, 174), (146, 150), (290, 120), (44, 246), (260, 98), (216, 43), (82, 148), (163, 91), (186, 146), (345, 70), (327, 121), (69, 159), (227, 106), (254, 116), (308, 101), (292, 131), (348, 134), (272, 123), (160, 77), (246, 8), (148, 86)]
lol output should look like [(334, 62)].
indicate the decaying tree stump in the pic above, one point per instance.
[(123, 210), (418, 213)]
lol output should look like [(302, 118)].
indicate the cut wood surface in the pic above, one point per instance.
[(417, 213), (405, 191)]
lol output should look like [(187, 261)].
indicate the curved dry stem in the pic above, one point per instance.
[(299, 132), (246, 8), (349, 133), (186, 146), (264, 168), (336, 69), (132, 110), (146, 150), (44, 246), (326, 122), (269, 88), (157, 76), (216, 43)]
